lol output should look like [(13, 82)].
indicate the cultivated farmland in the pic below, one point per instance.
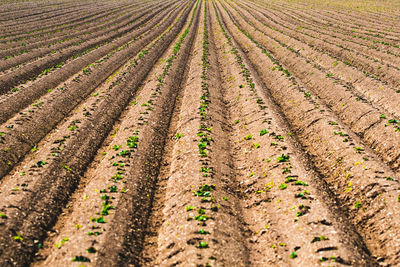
[(199, 133)]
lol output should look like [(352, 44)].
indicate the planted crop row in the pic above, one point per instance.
[(56, 23), (312, 127), (24, 96), (60, 36), (58, 40), (371, 68), (342, 42), (275, 181), (29, 71), (115, 165), (150, 153), (65, 102), (71, 163), (362, 118)]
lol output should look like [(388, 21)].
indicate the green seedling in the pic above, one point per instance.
[(201, 218), (256, 145), (106, 208), (72, 128), (290, 179), (132, 141), (282, 186), (124, 153), (279, 137), (358, 205), (282, 158), (301, 183), (178, 136), (202, 245), (94, 233), (303, 195), (3, 215), (201, 211), (98, 220), (116, 147), (81, 259), (203, 232), (293, 255), (202, 145), (263, 132), (303, 210), (91, 250), (18, 237), (340, 133), (62, 242), (358, 149), (319, 238), (205, 170), (40, 163), (189, 208), (248, 137), (66, 167)]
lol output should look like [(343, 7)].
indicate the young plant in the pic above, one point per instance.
[(282, 158)]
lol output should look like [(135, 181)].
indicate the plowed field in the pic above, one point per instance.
[(199, 133)]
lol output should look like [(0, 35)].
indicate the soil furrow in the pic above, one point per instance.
[(64, 174), (17, 140), (88, 197), (199, 133), (370, 68), (99, 21), (25, 96), (373, 51), (62, 24), (335, 96), (266, 179), (353, 174), (57, 31), (177, 235), (47, 57), (75, 37), (127, 246)]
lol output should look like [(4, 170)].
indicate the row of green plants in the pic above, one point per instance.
[(122, 157), (358, 205), (283, 160)]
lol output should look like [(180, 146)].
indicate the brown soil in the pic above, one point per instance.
[(199, 133)]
